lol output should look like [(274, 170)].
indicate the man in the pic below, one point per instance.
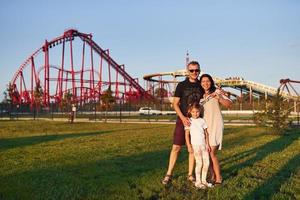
[(187, 92)]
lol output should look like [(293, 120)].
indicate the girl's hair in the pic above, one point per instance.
[(212, 86), (196, 106)]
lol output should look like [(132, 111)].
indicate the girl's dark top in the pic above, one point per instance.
[(188, 93)]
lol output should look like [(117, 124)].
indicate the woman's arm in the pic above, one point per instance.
[(207, 140), (222, 98), (225, 102)]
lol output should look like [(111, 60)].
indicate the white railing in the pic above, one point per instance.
[(254, 86)]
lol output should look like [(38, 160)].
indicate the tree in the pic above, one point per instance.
[(66, 101), (107, 100), (160, 92), (38, 98), (275, 115), (38, 94), (13, 94), (10, 94), (7, 98)]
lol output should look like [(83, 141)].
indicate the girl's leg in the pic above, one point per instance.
[(205, 158), (198, 158), (215, 164)]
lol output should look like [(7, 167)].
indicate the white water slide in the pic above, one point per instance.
[(235, 82)]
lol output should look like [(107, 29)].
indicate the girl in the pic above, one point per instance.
[(196, 137), (212, 115)]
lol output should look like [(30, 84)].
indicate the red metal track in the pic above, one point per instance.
[(69, 75)]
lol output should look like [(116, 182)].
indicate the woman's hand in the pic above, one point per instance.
[(218, 93), (190, 149), (222, 98), (208, 148)]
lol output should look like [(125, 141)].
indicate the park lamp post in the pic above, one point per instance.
[(95, 114), (121, 103), (18, 106), (51, 108)]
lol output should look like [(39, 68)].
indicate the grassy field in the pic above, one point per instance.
[(57, 160), (102, 116)]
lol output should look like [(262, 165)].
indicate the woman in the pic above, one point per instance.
[(210, 100)]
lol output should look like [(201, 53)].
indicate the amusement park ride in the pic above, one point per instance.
[(74, 65), (255, 89), (71, 64)]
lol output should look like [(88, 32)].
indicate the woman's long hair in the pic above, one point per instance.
[(212, 86)]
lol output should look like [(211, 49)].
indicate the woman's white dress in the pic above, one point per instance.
[(214, 120)]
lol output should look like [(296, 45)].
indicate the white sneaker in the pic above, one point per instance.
[(209, 185)]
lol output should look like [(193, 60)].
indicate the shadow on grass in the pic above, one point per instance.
[(259, 153), (113, 177), (10, 143), (240, 140), (272, 185)]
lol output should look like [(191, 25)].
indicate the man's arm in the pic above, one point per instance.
[(183, 118), (188, 141)]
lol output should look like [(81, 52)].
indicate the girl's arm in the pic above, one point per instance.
[(207, 140), (188, 141)]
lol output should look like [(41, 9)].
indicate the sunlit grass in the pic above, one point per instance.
[(57, 160)]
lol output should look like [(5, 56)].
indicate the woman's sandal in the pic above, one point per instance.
[(167, 180), (191, 178), (212, 179), (218, 183)]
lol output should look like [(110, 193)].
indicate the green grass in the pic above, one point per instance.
[(57, 160), (101, 116)]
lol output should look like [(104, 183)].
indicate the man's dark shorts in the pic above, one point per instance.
[(179, 133)]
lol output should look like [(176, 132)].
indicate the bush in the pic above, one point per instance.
[(275, 116)]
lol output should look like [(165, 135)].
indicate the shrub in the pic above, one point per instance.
[(275, 116)]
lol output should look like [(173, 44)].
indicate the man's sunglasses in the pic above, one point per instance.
[(194, 70)]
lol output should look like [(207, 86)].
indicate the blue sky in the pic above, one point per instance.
[(257, 40)]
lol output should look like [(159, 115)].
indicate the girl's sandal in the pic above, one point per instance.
[(208, 185), (191, 178), (167, 180), (200, 186)]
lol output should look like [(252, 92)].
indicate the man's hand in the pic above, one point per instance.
[(186, 121)]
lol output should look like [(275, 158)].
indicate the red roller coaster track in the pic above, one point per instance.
[(72, 63)]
